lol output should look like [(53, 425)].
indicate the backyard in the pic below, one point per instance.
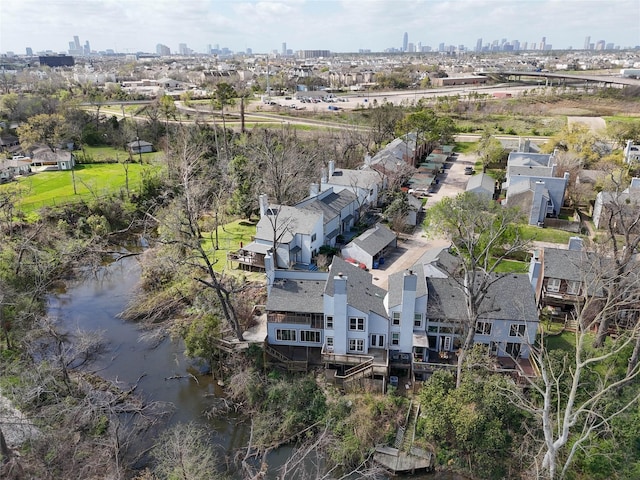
[(83, 183)]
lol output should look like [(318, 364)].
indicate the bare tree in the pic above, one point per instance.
[(482, 234), (285, 164), (184, 452), (579, 394), (623, 228), (180, 221)]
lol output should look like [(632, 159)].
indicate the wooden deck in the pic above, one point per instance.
[(396, 461)]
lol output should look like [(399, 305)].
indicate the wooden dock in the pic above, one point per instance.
[(397, 461)]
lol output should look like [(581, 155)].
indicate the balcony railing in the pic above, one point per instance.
[(310, 319)]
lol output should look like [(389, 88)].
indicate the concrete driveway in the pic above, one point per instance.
[(412, 246)]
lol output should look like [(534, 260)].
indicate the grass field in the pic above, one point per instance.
[(91, 181), (551, 235), (230, 236)]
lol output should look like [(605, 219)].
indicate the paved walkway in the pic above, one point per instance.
[(412, 247)]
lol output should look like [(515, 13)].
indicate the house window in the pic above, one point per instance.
[(395, 339), (313, 237), (286, 335), (356, 323), (356, 345), (573, 288), (329, 323), (310, 336), (517, 330), (483, 328), (553, 285), (396, 318), (329, 343), (417, 320)]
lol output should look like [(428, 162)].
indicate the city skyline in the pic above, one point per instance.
[(335, 25)]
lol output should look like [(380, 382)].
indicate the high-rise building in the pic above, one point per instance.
[(87, 48), (587, 42), (600, 45), (76, 42), (405, 41), (479, 45), (29, 52), (543, 43), (516, 45), (163, 50), (284, 48)]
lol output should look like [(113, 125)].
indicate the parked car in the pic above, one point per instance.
[(469, 171)]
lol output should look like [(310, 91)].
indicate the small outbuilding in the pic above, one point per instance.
[(139, 146), (371, 247), (482, 184)]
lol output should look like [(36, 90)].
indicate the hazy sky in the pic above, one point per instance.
[(336, 25)]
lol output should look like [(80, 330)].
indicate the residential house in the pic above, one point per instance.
[(608, 201), (482, 184), (336, 317), (44, 158), (139, 146), (427, 307), (560, 278), (370, 247), (8, 141), (529, 165), (507, 322), (297, 233), (366, 184), (537, 197), (338, 209), (13, 167), (631, 153)]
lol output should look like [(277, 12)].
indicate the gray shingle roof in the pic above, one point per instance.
[(396, 284), (355, 178), (290, 219), (482, 181), (290, 295), (527, 158), (566, 264), (375, 239), (510, 297), (361, 293)]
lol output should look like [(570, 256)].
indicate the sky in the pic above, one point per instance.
[(129, 26)]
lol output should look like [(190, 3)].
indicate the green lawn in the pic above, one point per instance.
[(465, 147), (92, 180), (230, 236), (512, 266), (566, 342), (551, 235)]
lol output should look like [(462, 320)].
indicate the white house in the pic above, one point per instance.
[(297, 233), (366, 184)]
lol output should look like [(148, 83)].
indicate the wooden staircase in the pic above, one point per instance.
[(291, 365), (410, 428), (362, 370)]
